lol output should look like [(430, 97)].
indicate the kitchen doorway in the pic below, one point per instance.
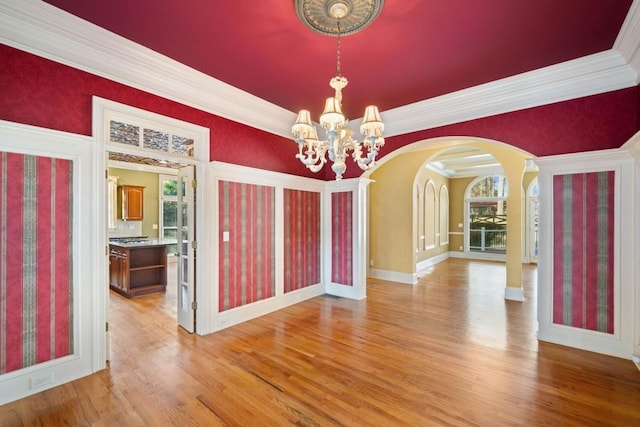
[(135, 140)]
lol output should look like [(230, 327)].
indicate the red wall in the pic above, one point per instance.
[(246, 261), (36, 324), (40, 92), (583, 241), (301, 239), (43, 93), (342, 238), (585, 124)]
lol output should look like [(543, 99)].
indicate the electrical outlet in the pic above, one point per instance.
[(42, 380), (371, 262)]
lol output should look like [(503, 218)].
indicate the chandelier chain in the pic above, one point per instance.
[(338, 56)]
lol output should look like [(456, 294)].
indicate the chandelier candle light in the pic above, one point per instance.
[(318, 15)]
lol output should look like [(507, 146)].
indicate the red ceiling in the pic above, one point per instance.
[(415, 50)]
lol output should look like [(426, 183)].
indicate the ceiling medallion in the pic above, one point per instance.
[(321, 15), (340, 141)]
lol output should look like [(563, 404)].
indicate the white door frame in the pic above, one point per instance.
[(102, 110)]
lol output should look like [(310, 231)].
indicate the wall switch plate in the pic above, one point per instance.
[(225, 236)]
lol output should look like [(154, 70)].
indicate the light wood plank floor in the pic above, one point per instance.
[(448, 351)]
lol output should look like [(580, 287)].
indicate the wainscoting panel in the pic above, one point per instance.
[(247, 244), (36, 260), (301, 239), (586, 258), (342, 238), (583, 238)]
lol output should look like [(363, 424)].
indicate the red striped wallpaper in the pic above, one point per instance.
[(247, 260), (342, 238), (301, 239), (36, 206), (583, 239)]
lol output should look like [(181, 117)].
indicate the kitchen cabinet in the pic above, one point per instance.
[(130, 202), (138, 269)]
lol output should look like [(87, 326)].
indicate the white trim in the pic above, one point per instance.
[(140, 167), (39, 28), (628, 40), (79, 149), (218, 171), (480, 256), (42, 29), (620, 343), (528, 253), (243, 313), (633, 147), (428, 263), (394, 276), (359, 188), (103, 109), (514, 294), (602, 72)]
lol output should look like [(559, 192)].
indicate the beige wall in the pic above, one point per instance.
[(391, 214), (456, 212), (526, 181), (149, 181), (421, 229), (392, 238)]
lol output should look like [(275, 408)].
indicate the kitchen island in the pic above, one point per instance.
[(138, 266)]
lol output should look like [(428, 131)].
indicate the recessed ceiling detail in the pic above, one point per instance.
[(322, 15)]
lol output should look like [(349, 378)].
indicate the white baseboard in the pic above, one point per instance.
[(241, 314), (394, 276), (428, 263), (598, 342), (514, 294), (482, 256)]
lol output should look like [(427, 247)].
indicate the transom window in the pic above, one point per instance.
[(150, 138)]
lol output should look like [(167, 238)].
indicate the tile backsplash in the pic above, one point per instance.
[(127, 229)]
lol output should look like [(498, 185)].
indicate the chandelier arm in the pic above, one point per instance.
[(374, 144), (314, 156)]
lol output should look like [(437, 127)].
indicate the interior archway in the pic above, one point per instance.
[(392, 231)]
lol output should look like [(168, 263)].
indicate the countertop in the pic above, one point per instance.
[(143, 243)]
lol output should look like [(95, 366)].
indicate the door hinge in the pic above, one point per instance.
[(106, 173), (194, 244), (106, 249), (106, 326), (194, 183), (194, 305)]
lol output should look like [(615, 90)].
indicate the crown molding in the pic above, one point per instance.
[(44, 30), (39, 28), (628, 40), (602, 72)]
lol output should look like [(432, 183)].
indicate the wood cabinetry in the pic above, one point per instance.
[(138, 270), (130, 203)]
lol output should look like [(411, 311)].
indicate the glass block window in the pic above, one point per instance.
[(152, 138), (122, 133), (155, 140), (182, 145)]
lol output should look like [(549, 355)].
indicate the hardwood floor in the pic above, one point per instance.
[(448, 351)]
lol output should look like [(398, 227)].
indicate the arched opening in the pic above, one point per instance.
[(419, 215)]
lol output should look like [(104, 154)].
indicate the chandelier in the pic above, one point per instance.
[(320, 15)]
